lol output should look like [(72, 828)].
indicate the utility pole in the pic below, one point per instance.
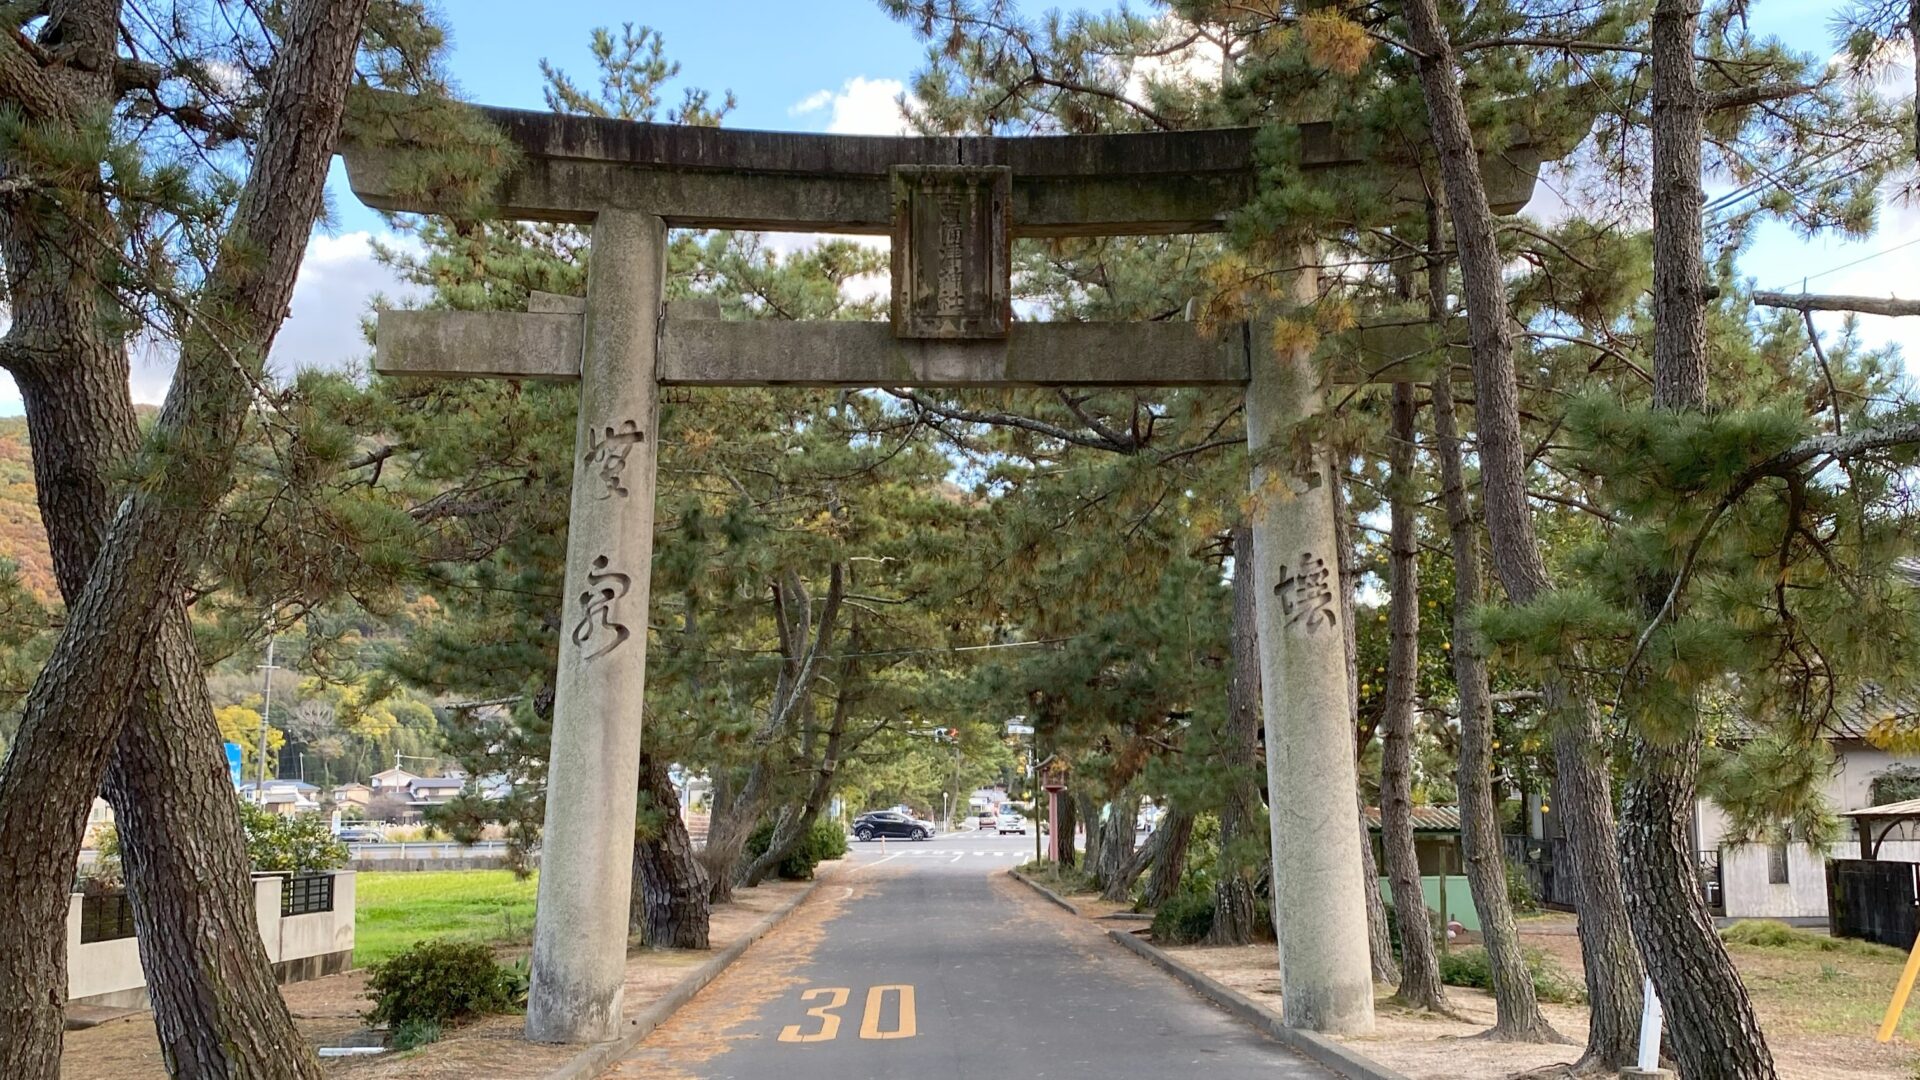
[(266, 714), (1018, 726)]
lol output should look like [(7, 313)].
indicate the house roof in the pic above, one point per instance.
[(1425, 818), (439, 782), (1905, 808), (1862, 716), (281, 785)]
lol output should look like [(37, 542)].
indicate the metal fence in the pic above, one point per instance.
[(306, 894), (1874, 900), (1712, 884), (105, 917), (1548, 865)]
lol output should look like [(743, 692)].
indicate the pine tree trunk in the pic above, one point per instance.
[(1517, 1015), (1090, 813), (1585, 805), (793, 830), (727, 832), (1171, 841), (1116, 841), (1386, 969), (1165, 851), (124, 679), (1420, 985), (1713, 1032), (669, 908), (1065, 829), (1236, 919)]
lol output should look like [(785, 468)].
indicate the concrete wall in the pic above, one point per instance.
[(300, 946), (102, 972)]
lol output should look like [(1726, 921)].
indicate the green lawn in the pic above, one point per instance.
[(395, 909)]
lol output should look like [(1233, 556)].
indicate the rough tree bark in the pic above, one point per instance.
[(1089, 812), (1171, 842), (1108, 860), (803, 645), (669, 908), (794, 827), (1420, 985), (1068, 822), (1386, 969), (1517, 1015), (1236, 919), (1713, 1031), (1585, 806), (1165, 852), (106, 656)]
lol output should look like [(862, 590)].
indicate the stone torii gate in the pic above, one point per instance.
[(952, 206)]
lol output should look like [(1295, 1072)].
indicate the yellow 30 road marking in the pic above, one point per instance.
[(904, 1028), (829, 1023)]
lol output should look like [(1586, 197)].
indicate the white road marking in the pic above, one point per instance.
[(875, 862), (958, 855)]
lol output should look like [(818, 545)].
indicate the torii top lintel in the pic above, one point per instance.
[(572, 167)]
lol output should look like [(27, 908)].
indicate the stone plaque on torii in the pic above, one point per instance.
[(953, 206)]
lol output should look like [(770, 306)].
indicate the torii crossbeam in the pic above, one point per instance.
[(952, 206)]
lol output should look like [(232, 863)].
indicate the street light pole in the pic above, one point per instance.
[(266, 714)]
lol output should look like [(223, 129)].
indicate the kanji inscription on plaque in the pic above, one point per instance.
[(951, 251)]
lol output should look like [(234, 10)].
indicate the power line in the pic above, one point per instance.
[(1856, 262)]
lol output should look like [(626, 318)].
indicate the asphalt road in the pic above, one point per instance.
[(924, 961)]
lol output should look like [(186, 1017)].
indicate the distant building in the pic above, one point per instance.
[(283, 796), (345, 795)]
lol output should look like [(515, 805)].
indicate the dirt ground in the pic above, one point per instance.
[(1819, 1011), (328, 1010)]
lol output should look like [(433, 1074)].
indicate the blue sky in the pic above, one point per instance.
[(838, 65)]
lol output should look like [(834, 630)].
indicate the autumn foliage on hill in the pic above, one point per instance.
[(22, 540)]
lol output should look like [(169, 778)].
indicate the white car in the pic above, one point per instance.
[(1011, 822)]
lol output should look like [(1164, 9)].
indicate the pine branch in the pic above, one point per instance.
[(1740, 97), (1865, 305), (998, 419)]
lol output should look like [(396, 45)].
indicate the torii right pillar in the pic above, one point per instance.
[(1319, 906)]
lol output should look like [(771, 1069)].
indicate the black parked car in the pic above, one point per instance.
[(891, 823)]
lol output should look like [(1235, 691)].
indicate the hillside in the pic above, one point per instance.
[(21, 537)]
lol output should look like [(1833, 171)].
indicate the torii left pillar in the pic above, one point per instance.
[(586, 850)]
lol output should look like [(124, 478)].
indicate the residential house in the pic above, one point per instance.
[(351, 795), (391, 781), (1789, 880), (1443, 872), (283, 796)]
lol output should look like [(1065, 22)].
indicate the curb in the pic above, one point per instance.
[(589, 1062), (1044, 891), (1316, 1047)]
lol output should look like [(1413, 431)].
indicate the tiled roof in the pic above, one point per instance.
[(1425, 818)]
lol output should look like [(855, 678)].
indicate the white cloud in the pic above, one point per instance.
[(861, 106), (813, 102), (337, 279)]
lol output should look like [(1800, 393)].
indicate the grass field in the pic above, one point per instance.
[(396, 909)]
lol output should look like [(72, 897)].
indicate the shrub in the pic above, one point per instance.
[(1184, 919), (1520, 892), (825, 840), (434, 983), (414, 1033), (299, 843), (1469, 966)]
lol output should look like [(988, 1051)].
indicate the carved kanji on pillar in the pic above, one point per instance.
[(951, 251)]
